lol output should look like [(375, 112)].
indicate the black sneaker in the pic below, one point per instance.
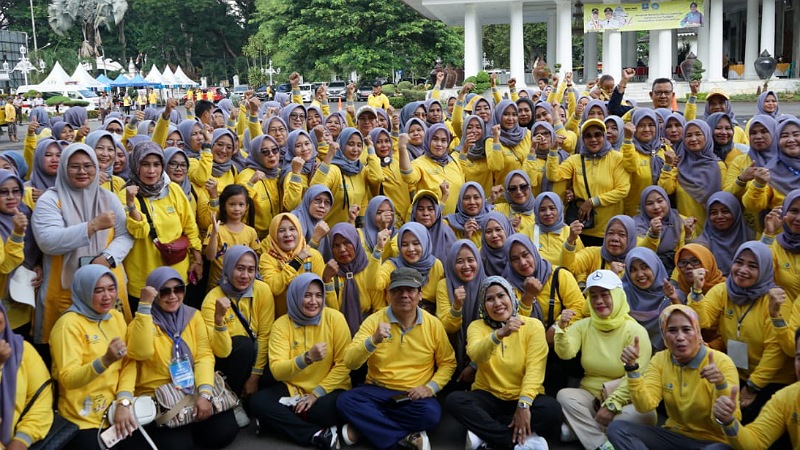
[(327, 439)]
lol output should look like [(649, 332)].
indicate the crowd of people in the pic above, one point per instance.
[(558, 266)]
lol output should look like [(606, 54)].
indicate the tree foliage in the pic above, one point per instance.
[(91, 15), (321, 38)]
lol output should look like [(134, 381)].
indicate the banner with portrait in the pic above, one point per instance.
[(599, 17)]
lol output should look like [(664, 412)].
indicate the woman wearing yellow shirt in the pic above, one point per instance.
[(724, 230), (724, 146), (506, 405), (215, 162), (306, 354), (782, 175), (657, 218), (45, 169), (472, 153), (393, 185), (510, 143), (643, 155), (519, 200), (495, 229), (435, 168), (740, 308), (380, 216), (544, 113), (785, 224), (427, 210), (284, 255), (600, 338), (275, 126), (317, 203), (545, 139), (763, 149), (470, 211), (166, 332), (608, 181), (103, 144), (299, 165), (88, 345), (698, 174), (347, 177), (688, 377), (177, 169), (549, 233), (23, 373), (260, 176)]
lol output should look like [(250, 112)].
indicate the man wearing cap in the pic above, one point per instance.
[(378, 99), (366, 119), (409, 359)]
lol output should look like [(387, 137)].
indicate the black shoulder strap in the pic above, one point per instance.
[(242, 320), (553, 293), (146, 212), (33, 399), (585, 181)]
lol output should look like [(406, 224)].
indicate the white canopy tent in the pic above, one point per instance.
[(57, 77), (154, 76), (182, 79), (82, 77), (169, 78)]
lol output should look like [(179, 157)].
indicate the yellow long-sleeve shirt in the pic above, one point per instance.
[(396, 188), (586, 261), (767, 362), (758, 198), (511, 368), (732, 184), (371, 299), (686, 204), (477, 171), (551, 245), (503, 159), (407, 358), (31, 375), (567, 296), (258, 310), (526, 220), (609, 184), (537, 170), (294, 186), (787, 269), (427, 174), (687, 397), (152, 348), (227, 238), (348, 190), (266, 199), (278, 274), (172, 217), (290, 342), (600, 354), (18, 313), (201, 172), (778, 416), (161, 131), (86, 387), (638, 166), (436, 273)]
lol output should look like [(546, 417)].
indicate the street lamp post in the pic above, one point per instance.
[(272, 71)]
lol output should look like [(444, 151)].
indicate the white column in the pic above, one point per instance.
[(612, 54), (702, 41), (654, 59), (589, 56), (516, 52), (675, 44), (551, 39), (473, 42), (666, 51), (751, 49), (631, 48), (767, 27), (714, 61), (564, 36), (628, 59)]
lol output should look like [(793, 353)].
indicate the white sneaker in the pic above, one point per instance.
[(534, 442), (567, 434), (346, 429), (241, 417), (473, 441), (416, 441)]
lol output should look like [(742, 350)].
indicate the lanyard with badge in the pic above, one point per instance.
[(737, 350), (180, 367)]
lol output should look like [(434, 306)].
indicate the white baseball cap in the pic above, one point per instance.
[(605, 279)]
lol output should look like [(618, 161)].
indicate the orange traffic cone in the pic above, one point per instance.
[(674, 102), (340, 103)]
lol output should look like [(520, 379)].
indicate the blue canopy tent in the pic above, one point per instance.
[(138, 81), (104, 80), (120, 81)]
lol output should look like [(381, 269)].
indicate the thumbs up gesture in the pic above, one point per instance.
[(631, 353), (711, 372), (725, 406)]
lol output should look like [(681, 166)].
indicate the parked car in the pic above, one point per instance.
[(240, 89), (307, 92), (261, 93), (364, 91), (337, 89), (73, 92), (285, 88)]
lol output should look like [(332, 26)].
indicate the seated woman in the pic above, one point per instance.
[(470, 211), (725, 229), (457, 302), (317, 203), (306, 353), (688, 377), (495, 229), (519, 205), (506, 405), (284, 256), (549, 232), (88, 346), (589, 409), (785, 224), (23, 373), (380, 215), (427, 210), (649, 291), (740, 308), (241, 309), (163, 331), (657, 218)]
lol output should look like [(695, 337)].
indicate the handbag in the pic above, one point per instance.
[(177, 407), (171, 252), (61, 431), (571, 212)]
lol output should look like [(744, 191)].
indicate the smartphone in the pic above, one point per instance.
[(110, 437), (401, 398), (85, 260)]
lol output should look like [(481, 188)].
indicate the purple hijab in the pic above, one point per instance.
[(766, 275), (762, 157), (302, 211), (760, 104), (698, 172), (351, 298), (229, 262), (458, 219), (441, 235), (723, 244), (443, 159), (370, 229), (469, 310), (784, 170), (415, 151), (511, 137), (630, 228), (39, 177), (526, 208), (495, 260), (646, 304), (427, 260), (8, 388), (652, 146), (294, 299), (542, 271), (559, 223), (673, 224), (788, 240), (254, 157)]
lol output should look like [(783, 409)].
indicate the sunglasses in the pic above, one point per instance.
[(521, 188), (694, 262), (267, 151), (177, 290)]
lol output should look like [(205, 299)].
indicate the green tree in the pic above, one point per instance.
[(91, 15), (321, 38)]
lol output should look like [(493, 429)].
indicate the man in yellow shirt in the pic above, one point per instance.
[(152, 98), (11, 121), (409, 359), (378, 99)]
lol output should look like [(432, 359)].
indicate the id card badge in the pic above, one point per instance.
[(737, 350), (182, 374)]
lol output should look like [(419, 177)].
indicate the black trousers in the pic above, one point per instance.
[(239, 364), (488, 416), (217, 431), (282, 420), (84, 440)]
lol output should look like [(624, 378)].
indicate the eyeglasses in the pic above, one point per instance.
[(174, 143), (297, 116), (167, 291), (321, 202), (76, 168), (694, 262), (520, 187), (177, 165), (267, 151), (10, 193), (662, 93), (277, 130)]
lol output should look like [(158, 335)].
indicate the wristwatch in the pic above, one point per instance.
[(124, 402), (612, 407), (206, 396), (523, 405), (110, 260)]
